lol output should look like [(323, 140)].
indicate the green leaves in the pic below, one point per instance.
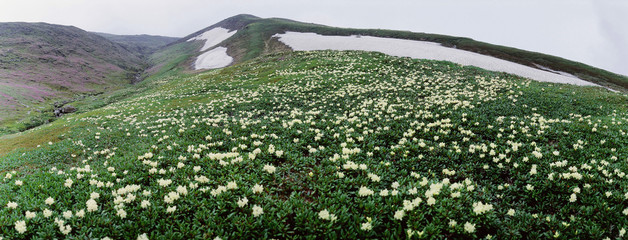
[(432, 139)]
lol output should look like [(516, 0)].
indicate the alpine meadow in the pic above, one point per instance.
[(232, 133)]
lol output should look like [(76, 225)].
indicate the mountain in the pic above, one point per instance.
[(322, 145), (144, 45), (255, 36), (44, 63)]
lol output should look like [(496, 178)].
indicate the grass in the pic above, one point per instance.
[(328, 145), (254, 33)]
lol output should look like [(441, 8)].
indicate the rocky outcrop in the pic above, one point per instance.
[(64, 110)]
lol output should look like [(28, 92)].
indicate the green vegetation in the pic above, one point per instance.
[(253, 34), (44, 64), (324, 145)]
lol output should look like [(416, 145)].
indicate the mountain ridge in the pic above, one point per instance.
[(143, 44), (254, 38), (46, 63)]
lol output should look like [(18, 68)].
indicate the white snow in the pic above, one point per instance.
[(421, 50), (213, 36), (215, 58)]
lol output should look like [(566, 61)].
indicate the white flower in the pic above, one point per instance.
[(625, 212), (455, 194), (65, 229), (182, 190), (529, 187), (399, 214), (121, 213), (374, 177), (232, 185), (537, 154), (242, 202), (324, 214), (383, 193), (92, 205), (171, 209), (94, 195), (20, 226), (163, 182), (142, 237), (257, 210), (533, 169), (47, 213), (18, 182), (269, 168), (573, 197), (452, 223), (431, 201), (30, 214), (145, 204), (511, 212), (479, 208), (171, 197), (257, 188), (80, 213), (67, 214), (366, 226), (12, 205), (68, 182), (469, 227), (364, 191), (395, 185), (50, 201), (622, 232)]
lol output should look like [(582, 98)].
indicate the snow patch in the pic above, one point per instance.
[(215, 58), (421, 50), (213, 36)]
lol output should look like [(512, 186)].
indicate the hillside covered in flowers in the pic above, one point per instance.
[(328, 145)]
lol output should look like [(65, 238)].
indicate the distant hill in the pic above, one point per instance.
[(255, 37), (41, 64), (141, 44)]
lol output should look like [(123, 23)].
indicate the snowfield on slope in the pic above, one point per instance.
[(217, 57), (420, 50), (213, 36)]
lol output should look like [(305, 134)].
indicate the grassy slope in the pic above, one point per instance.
[(254, 34), (165, 64), (410, 120), (44, 63)]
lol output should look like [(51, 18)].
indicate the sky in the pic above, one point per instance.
[(594, 32)]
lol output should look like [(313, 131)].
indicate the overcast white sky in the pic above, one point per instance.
[(590, 31)]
